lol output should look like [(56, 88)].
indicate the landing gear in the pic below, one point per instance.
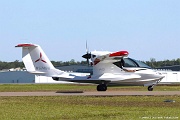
[(101, 87), (150, 88)]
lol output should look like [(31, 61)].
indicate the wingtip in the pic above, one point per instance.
[(25, 45), (119, 53)]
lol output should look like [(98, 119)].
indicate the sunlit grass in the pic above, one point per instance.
[(88, 108), (82, 87)]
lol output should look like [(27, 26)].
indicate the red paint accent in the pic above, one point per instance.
[(24, 45), (119, 53), (40, 59), (96, 61), (43, 61)]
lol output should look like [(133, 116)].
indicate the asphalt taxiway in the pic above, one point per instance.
[(81, 93)]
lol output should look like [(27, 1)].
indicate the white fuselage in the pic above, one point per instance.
[(107, 68)]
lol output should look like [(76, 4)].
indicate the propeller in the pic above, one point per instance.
[(87, 56)]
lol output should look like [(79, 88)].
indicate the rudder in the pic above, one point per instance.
[(34, 58)]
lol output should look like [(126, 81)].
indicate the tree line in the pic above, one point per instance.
[(156, 64), (20, 64), (152, 63)]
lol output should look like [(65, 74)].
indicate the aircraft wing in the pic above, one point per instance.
[(111, 57)]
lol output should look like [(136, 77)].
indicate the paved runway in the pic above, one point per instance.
[(81, 93)]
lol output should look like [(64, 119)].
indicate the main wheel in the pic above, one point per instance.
[(150, 88), (104, 87), (101, 87)]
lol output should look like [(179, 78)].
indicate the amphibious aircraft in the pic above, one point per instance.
[(109, 68)]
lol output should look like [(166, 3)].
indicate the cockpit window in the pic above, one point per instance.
[(141, 64), (125, 62), (128, 62)]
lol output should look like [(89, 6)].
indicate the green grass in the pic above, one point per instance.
[(43, 87), (89, 108), (83, 87)]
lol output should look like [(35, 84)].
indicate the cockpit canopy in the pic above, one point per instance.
[(129, 62)]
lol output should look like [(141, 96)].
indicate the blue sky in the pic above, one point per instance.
[(145, 28)]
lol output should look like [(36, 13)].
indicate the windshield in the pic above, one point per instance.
[(128, 62), (141, 64)]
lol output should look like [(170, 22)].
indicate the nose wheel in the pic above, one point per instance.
[(101, 87), (150, 88)]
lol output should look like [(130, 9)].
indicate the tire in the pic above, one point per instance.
[(150, 88), (101, 87)]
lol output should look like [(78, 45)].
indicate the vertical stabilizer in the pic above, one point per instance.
[(36, 61), (34, 58)]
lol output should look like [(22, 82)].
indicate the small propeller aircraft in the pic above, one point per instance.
[(109, 68)]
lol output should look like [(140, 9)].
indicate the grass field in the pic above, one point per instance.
[(89, 108), (83, 87), (86, 107)]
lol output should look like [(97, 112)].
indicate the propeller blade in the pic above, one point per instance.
[(87, 56), (86, 47)]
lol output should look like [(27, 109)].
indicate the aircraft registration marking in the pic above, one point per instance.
[(42, 68)]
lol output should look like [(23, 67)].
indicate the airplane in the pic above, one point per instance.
[(109, 68)]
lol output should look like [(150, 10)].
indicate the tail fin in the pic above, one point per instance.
[(34, 58), (36, 61)]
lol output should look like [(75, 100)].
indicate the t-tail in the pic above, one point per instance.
[(36, 62)]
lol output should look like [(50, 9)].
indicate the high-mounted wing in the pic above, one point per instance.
[(111, 57)]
